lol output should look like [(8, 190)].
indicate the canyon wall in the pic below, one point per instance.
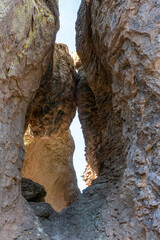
[(49, 144), (118, 43), (118, 94), (27, 35)]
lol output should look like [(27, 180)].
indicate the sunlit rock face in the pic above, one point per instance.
[(48, 161), (49, 144), (27, 35), (76, 60), (118, 99)]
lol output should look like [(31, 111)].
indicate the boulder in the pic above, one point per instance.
[(31, 191)]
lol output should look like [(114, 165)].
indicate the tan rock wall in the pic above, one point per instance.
[(48, 161), (49, 156)]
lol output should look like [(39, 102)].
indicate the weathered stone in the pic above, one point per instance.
[(118, 98), (49, 144), (48, 161), (119, 49), (31, 191), (42, 209), (77, 60), (27, 34)]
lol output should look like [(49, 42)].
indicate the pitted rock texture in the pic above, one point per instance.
[(27, 34), (118, 98), (34, 193), (49, 144), (53, 107), (31, 191), (118, 43), (49, 162), (42, 209)]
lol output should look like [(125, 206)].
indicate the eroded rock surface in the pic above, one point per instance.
[(49, 144), (122, 65), (27, 34), (49, 161), (117, 94), (53, 107), (118, 100), (31, 191)]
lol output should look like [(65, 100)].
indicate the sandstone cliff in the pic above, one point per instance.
[(27, 34)]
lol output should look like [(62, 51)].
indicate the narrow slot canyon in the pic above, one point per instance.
[(102, 77)]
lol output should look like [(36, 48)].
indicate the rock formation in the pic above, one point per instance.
[(117, 94), (34, 193), (118, 43), (49, 144), (27, 34), (48, 161), (118, 98), (31, 191), (53, 107)]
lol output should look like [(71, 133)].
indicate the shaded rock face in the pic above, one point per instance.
[(117, 94), (41, 209), (120, 56), (118, 103), (101, 127), (49, 144), (31, 191), (27, 34), (34, 193), (53, 107)]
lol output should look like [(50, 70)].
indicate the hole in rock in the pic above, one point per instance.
[(79, 161), (48, 158), (68, 16)]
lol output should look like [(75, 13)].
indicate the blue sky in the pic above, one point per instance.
[(68, 15)]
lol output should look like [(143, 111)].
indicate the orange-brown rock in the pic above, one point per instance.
[(49, 145), (48, 161), (77, 60), (89, 175), (53, 107)]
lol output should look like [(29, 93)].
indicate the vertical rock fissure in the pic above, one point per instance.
[(49, 150), (118, 94)]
